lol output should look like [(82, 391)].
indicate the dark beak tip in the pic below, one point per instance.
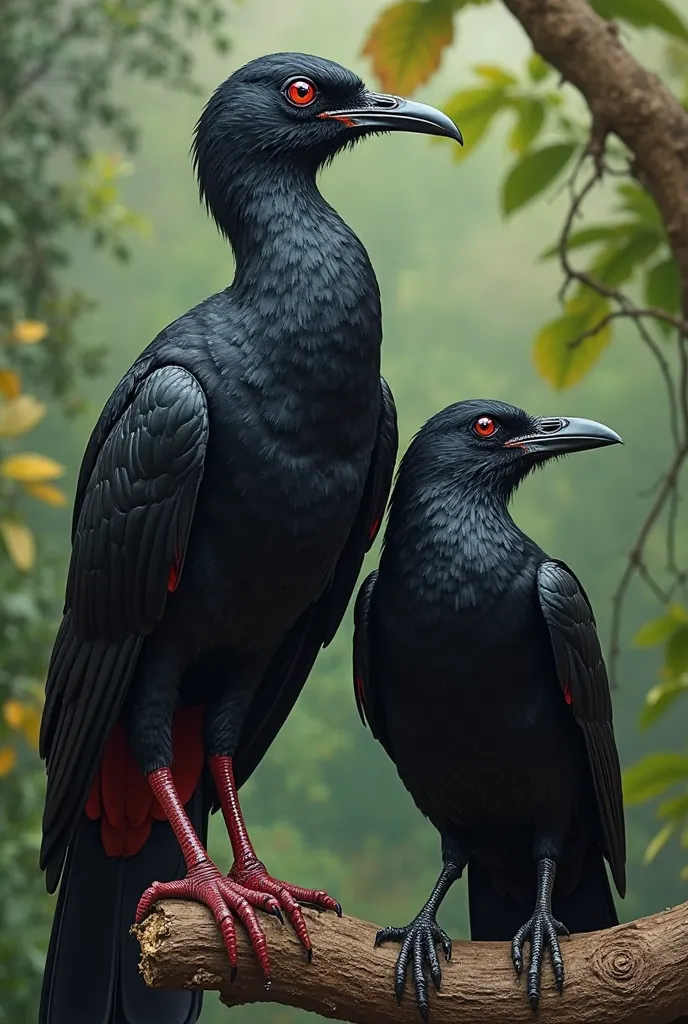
[(395, 113)]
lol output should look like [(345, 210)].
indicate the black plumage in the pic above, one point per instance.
[(229, 491), (478, 667)]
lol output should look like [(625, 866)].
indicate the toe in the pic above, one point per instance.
[(556, 957), (442, 937), (535, 967), (313, 897), (419, 981), (295, 915), (402, 966), (517, 949), (231, 900), (389, 935), (432, 961), (150, 896)]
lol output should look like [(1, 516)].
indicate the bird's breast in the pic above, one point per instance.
[(474, 712)]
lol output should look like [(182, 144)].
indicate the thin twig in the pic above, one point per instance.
[(666, 491)]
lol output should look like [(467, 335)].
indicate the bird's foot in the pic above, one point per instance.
[(418, 941), (226, 898), (543, 930), (252, 874)]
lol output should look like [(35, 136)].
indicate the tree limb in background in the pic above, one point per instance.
[(628, 100), (637, 137), (627, 975), (624, 98)]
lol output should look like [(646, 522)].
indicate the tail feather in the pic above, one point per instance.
[(91, 973), (497, 915)]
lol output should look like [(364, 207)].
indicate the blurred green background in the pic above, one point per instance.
[(463, 295)]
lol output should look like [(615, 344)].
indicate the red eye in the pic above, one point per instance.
[(301, 92), (484, 427)]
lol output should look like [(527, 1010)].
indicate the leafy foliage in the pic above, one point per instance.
[(407, 41), (629, 249), (58, 63)]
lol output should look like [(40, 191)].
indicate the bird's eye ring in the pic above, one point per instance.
[(485, 426), (300, 92)]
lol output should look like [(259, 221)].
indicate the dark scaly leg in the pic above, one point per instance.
[(419, 938), (543, 930)]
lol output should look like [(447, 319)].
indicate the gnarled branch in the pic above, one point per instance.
[(624, 98), (633, 974)]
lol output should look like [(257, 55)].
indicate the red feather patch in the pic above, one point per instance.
[(567, 694), (173, 578), (374, 527), (120, 795)]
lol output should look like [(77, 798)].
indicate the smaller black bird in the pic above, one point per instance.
[(478, 667)]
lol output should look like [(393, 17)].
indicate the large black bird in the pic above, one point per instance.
[(228, 493), (478, 667)]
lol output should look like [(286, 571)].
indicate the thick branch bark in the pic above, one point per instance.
[(624, 98), (633, 974)]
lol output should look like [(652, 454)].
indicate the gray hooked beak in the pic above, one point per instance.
[(560, 435), (394, 114)]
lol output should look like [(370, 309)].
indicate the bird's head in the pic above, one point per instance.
[(495, 445), (294, 109)]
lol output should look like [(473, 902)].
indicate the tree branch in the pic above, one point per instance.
[(632, 974), (624, 98)]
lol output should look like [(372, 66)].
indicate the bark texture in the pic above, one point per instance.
[(633, 974), (624, 98)]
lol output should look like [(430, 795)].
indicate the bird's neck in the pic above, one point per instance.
[(301, 269), (465, 538)]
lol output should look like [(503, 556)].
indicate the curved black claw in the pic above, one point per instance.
[(418, 941), (543, 930)]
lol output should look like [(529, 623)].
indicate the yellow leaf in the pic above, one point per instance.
[(20, 415), (10, 383), (28, 332), (48, 493), (29, 467), (562, 354), (406, 42), (19, 542), (14, 712), (8, 758), (31, 726)]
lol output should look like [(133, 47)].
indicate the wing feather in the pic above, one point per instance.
[(583, 676), (135, 500)]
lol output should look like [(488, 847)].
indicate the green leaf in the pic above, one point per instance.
[(617, 263), (663, 289), (589, 236), (532, 173), (557, 360), (636, 200), (537, 68), (408, 39), (495, 74), (658, 842), (644, 14), (531, 117), (653, 776), (676, 657), (660, 698), (657, 631), (473, 110), (676, 807)]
